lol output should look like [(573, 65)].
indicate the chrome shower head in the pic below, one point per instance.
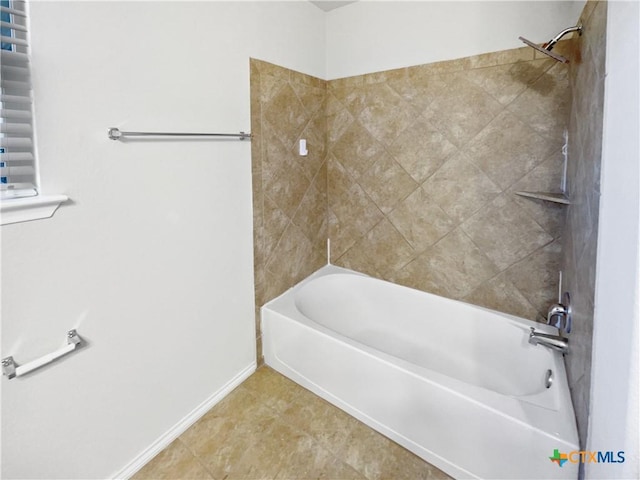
[(555, 56), (547, 47)]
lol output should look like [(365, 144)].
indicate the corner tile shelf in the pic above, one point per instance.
[(560, 198)]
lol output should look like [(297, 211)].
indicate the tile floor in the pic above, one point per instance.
[(271, 428)]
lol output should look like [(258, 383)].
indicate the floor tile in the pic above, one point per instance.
[(271, 428), (175, 461)]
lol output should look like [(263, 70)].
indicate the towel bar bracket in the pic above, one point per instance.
[(11, 369), (115, 133)]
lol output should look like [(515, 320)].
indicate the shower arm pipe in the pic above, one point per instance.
[(551, 43)]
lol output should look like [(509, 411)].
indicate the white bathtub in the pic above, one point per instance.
[(456, 384)]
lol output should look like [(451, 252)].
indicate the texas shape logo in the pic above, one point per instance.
[(559, 458)]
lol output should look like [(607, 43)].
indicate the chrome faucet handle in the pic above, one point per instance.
[(559, 314), (556, 316), (557, 309)]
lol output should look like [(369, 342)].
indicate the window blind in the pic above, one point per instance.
[(17, 163)]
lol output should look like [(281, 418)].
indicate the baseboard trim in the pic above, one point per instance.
[(179, 428)]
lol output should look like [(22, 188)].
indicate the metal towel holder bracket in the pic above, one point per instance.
[(116, 134), (11, 369)]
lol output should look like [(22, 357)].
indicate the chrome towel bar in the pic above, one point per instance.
[(11, 369), (115, 134)]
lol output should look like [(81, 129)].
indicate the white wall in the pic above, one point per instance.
[(371, 36), (615, 372), (152, 259)]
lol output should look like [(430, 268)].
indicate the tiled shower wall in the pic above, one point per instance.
[(423, 163), (583, 181), (411, 173), (289, 191)]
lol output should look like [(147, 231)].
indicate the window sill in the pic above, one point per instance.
[(17, 210)]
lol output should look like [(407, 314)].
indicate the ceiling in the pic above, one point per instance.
[(328, 5)]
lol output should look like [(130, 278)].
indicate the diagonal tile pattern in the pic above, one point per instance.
[(287, 115), (506, 82), (462, 109), (387, 183), (412, 174), (372, 252), (358, 149), (421, 149), (453, 267), (460, 187), (420, 220), (507, 149), (289, 190), (424, 164), (503, 234), (270, 428), (385, 114)]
